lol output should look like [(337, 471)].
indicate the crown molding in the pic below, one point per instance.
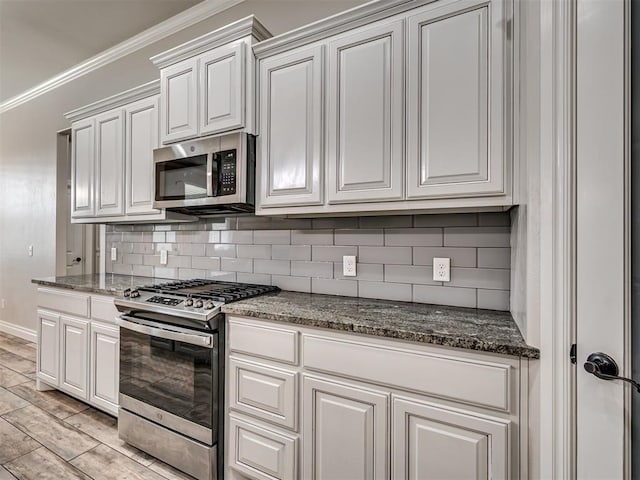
[(335, 24), (182, 20), (115, 101), (229, 33)]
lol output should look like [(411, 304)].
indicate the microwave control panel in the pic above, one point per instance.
[(227, 172)]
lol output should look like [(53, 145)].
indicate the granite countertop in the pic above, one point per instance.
[(101, 283), (471, 329)]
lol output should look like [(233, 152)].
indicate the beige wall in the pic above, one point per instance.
[(28, 148)]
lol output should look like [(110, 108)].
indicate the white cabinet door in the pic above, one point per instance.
[(74, 356), (433, 442), (110, 164), (141, 138), (455, 99), (366, 114), (104, 364), (344, 431), (82, 168), (48, 359), (290, 145), (179, 97), (222, 87)]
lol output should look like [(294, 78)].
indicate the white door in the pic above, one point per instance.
[(603, 262), (366, 114), (179, 101), (48, 357), (105, 358), (344, 431), (141, 138), (290, 145), (74, 347), (110, 164), (222, 87), (82, 168)]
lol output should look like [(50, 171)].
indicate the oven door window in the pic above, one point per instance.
[(173, 376), (183, 178)]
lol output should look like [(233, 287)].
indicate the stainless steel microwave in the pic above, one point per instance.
[(208, 176)]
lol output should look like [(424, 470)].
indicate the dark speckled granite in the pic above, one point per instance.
[(105, 284), (467, 328)]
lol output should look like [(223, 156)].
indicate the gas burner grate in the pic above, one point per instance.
[(219, 290)]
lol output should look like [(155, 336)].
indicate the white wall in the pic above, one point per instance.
[(28, 148)]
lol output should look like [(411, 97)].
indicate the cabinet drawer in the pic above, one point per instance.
[(63, 301), (476, 382), (261, 341), (263, 391), (260, 452), (102, 308)]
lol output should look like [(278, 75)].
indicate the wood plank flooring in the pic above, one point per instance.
[(50, 435)]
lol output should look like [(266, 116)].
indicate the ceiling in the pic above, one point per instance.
[(41, 38)]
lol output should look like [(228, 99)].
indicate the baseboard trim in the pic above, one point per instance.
[(191, 16), (18, 331)]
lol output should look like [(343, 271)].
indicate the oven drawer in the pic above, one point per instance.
[(258, 340), (263, 391), (260, 452)]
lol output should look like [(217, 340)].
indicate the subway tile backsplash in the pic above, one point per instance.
[(394, 255)]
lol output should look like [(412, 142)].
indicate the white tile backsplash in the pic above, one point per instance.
[(395, 255)]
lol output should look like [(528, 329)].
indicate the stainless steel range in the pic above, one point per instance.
[(172, 371)]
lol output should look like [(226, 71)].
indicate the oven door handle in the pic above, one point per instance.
[(158, 330)]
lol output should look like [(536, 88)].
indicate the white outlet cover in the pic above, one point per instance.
[(30, 250), (442, 269), (349, 265), (114, 254), (163, 257)]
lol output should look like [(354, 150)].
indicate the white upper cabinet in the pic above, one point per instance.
[(366, 112), (290, 145), (179, 94), (222, 80), (455, 101), (110, 163), (208, 83), (82, 168), (141, 119), (417, 110)]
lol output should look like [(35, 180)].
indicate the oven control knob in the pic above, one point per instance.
[(209, 305), (188, 302), (134, 293), (197, 304)]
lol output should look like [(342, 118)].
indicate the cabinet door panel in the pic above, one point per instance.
[(179, 96), (82, 168), (344, 431), (290, 143), (141, 140), (430, 441), (366, 114), (105, 352), (74, 344), (222, 83), (48, 359), (110, 164), (455, 102)]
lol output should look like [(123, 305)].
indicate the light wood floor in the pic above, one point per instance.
[(49, 435)]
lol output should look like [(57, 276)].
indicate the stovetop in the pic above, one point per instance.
[(196, 299)]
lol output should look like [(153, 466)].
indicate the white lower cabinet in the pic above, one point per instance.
[(74, 349), (104, 363), (344, 431), (79, 356), (337, 411)]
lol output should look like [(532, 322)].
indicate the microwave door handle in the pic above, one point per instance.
[(160, 331), (212, 175)]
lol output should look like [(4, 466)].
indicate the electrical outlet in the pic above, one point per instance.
[(114, 254), (30, 250), (349, 265), (3, 303), (163, 257), (442, 269)]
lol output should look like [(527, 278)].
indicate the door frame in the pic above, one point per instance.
[(553, 436)]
